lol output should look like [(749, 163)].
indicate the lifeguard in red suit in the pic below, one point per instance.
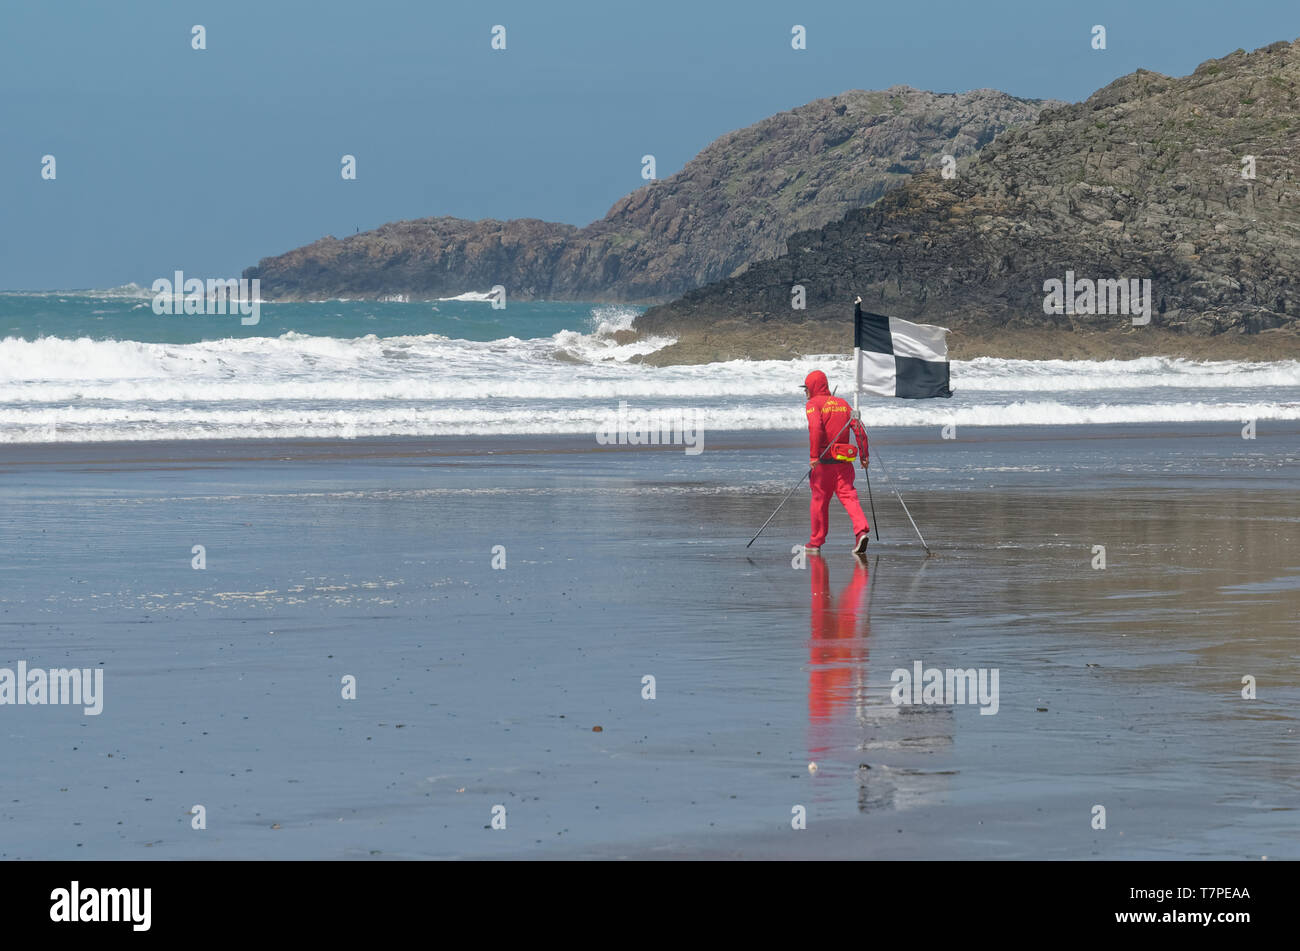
[(830, 421)]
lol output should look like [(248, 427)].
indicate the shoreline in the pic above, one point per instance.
[(416, 448)]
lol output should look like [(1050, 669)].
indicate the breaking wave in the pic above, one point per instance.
[(298, 385), (94, 423)]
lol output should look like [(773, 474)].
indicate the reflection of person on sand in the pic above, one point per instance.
[(837, 648), (829, 424)]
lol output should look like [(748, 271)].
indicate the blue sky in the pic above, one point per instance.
[(205, 161)]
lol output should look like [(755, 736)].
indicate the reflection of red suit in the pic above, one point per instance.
[(836, 646)]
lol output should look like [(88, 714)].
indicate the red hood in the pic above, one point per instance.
[(816, 383)]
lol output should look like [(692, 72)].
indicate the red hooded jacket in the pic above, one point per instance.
[(827, 415)]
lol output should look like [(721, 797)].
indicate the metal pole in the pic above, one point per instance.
[(904, 505), (857, 399), (797, 484)]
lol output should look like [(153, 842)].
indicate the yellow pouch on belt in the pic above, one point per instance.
[(842, 452)]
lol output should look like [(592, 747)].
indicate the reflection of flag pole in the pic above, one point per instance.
[(861, 692)]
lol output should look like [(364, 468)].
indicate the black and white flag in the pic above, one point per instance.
[(899, 358)]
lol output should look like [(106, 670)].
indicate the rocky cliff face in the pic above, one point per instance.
[(1142, 180), (736, 203)]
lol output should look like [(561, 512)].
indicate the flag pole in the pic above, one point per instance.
[(857, 393), (857, 399)]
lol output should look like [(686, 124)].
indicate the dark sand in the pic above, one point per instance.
[(477, 687)]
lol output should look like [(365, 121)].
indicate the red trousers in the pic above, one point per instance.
[(827, 479)]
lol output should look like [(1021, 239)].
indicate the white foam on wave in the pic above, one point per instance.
[(146, 422), (605, 321), (430, 365), (566, 365), (469, 296), (990, 374), (601, 343), (299, 385), (128, 291)]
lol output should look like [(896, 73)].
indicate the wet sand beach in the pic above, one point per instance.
[(481, 686)]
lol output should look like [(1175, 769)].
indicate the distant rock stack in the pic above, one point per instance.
[(734, 204)]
